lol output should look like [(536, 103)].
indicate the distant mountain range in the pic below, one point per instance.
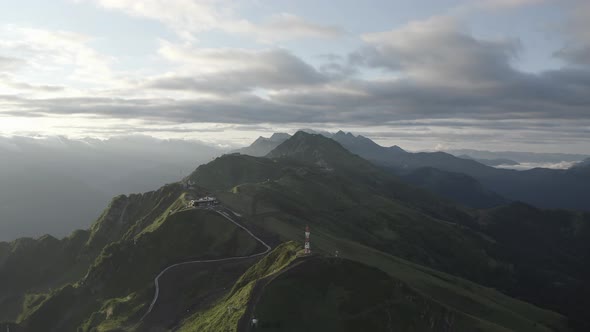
[(468, 181), (545, 188), (262, 145), (520, 157), (492, 162)]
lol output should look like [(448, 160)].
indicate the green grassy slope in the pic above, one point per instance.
[(37, 265), (370, 217), (460, 188), (131, 214), (331, 159), (192, 288), (352, 210), (287, 293), (122, 275), (233, 169), (455, 293), (334, 294), (370, 210), (554, 258), (227, 312), (375, 210), (320, 151), (460, 295)]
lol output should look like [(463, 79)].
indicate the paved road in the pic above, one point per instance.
[(227, 214)]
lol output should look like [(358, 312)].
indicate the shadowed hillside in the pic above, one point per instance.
[(289, 292), (376, 210), (544, 188)]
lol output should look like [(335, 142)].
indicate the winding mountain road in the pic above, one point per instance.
[(226, 215)]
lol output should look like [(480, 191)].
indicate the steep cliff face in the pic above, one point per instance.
[(129, 215), (122, 275), (37, 265)]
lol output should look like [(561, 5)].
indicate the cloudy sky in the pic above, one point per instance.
[(423, 74)]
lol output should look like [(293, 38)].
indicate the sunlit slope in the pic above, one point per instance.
[(122, 276), (232, 310), (37, 265)]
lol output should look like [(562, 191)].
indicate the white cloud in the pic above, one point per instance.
[(8, 81), (441, 147), (430, 69), (439, 51), (233, 70), (282, 27), (53, 55), (525, 166), (188, 18)]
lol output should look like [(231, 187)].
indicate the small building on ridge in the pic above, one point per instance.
[(203, 202)]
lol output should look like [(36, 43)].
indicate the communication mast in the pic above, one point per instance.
[(307, 246)]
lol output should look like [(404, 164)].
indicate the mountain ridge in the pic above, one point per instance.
[(262, 145), (430, 245), (524, 186)]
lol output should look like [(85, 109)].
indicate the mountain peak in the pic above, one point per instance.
[(310, 138), (260, 139), (340, 132), (396, 148), (279, 137), (319, 132), (262, 145), (364, 146), (318, 150)]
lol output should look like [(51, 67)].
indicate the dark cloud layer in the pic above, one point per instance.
[(437, 51), (241, 70), (577, 34), (432, 70)]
